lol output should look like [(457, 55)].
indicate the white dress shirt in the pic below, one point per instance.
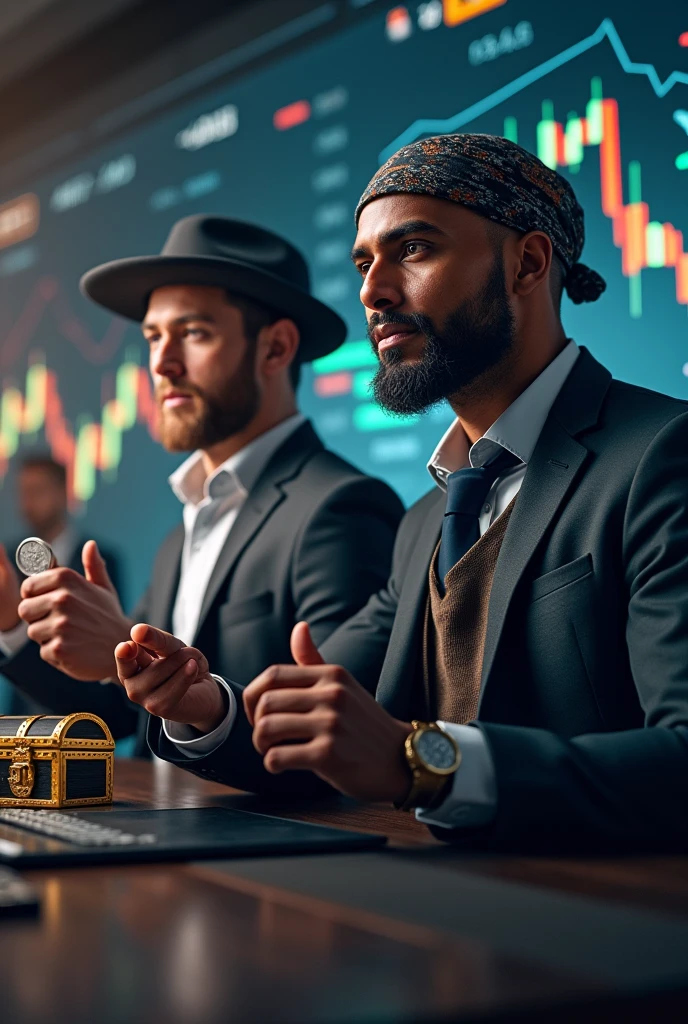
[(211, 506), (472, 800), (64, 549)]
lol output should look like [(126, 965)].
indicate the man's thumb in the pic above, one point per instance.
[(303, 650), (94, 566)]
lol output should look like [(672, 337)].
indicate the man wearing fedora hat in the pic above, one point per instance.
[(275, 527)]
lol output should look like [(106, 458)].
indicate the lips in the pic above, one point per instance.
[(172, 399), (390, 335)]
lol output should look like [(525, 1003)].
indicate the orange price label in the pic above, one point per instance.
[(458, 11), (19, 219)]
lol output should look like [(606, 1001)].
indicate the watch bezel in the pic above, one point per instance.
[(415, 736)]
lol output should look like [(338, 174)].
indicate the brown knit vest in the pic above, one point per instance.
[(456, 626)]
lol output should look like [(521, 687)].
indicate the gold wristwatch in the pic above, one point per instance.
[(433, 756)]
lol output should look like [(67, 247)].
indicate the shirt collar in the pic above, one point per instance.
[(239, 473), (517, 429)]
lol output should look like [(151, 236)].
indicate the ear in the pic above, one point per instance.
[(535, 251), (278, 345)]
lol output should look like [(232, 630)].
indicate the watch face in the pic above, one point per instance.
[(436, 749)]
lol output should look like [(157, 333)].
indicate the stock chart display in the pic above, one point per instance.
[(597, 88)]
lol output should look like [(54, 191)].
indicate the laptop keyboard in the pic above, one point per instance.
[(71, 829)]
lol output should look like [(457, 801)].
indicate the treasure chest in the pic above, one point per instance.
[(48, 761)]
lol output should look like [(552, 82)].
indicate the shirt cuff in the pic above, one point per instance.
[(472, 800), (186, 739), (13, 640)]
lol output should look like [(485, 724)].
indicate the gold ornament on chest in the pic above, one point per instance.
[(22, 774)]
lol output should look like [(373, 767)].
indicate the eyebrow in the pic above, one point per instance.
[(179, 321), (409, 227)]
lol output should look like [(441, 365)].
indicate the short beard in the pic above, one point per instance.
[(218, 418), (475, 338)]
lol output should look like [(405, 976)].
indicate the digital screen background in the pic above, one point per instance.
[(291, 146)]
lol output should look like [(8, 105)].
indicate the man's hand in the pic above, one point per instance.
[(9, 594), (77, 620), (317, 717), (169, 680)]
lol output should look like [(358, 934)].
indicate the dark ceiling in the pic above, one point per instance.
[(53, 53)]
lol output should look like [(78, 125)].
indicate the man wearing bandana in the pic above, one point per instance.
[(529, 656)]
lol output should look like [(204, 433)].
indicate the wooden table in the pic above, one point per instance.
[(180, 944)]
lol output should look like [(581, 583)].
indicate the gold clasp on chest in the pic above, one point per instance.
[(22, 773)]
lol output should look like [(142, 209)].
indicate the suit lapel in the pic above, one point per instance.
[(166, 580), (398, 672), (555, 463), (267, 494)]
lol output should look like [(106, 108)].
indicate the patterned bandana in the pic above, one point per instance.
[(500, 181)]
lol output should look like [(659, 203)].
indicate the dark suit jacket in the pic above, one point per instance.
[(313, 541), (584, 697), (21, 703)]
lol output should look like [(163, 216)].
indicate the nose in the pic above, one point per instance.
[(380, 289), (166, 357)]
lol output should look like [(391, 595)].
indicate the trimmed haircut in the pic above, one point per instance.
[(256, 316), (498, 232), (47, 463)]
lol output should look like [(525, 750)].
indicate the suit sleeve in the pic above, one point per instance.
[(625, 791), (59, 694), (342, 556)]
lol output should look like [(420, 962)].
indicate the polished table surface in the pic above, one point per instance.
[(178, 943)]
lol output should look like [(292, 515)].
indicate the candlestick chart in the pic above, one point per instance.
[(291, 146)]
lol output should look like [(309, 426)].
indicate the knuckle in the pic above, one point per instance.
[(326, 749), (330, 722), (335, 695), (266, 703), (62, 599), (338, 675), (263, 730), (153, 707), (60, 623), (271, 675)]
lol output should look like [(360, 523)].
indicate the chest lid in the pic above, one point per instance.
[(79, 731)]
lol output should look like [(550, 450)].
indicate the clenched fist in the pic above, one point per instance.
[(77, 620), (316, 717)]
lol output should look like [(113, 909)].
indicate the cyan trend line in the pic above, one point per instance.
[(607, 30)]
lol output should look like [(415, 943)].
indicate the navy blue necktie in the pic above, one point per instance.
[(466, 493)]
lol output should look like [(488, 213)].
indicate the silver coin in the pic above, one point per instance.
[(34, 556)]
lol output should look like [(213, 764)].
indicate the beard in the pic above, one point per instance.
[(475, 338), (212, 418)]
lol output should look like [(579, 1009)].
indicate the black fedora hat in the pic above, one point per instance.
[(224, 253)]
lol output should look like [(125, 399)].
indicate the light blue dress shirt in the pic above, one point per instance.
[(472, 800)]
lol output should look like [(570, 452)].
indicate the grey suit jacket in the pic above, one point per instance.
[(313, 541), (584, 696)]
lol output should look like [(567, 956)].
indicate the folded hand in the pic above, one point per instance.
[(317, 717), (169, 679)]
